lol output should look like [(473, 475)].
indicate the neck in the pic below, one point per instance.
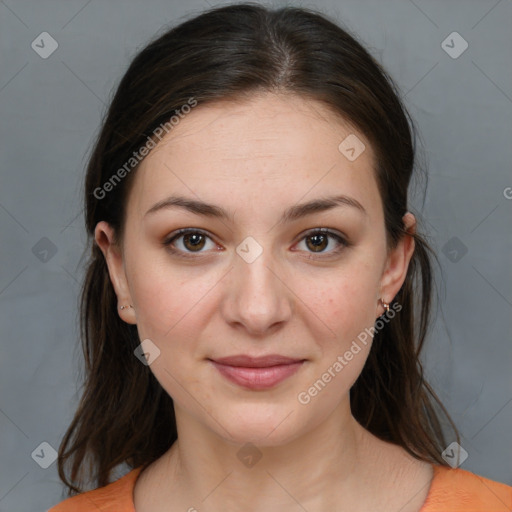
[(217, 474)]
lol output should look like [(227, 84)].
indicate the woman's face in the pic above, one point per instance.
[(254, 277)]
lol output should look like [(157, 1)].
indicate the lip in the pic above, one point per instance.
[(257, 373)]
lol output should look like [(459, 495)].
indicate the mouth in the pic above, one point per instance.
[(257, 373)]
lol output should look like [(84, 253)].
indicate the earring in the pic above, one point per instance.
[(385, 305), (124, 307)]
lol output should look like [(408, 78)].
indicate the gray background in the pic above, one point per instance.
[(51, 109)]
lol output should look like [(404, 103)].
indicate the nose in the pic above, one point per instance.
[(256, 296)]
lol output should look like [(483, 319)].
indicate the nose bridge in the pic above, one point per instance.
[(258, 299)]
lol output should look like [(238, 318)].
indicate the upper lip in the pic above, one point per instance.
[(256, 362)]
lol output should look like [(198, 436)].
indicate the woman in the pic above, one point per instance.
[(258, 293)]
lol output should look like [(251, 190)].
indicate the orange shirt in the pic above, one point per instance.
[(451, 490)]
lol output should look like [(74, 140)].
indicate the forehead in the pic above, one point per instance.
[(278, 148)]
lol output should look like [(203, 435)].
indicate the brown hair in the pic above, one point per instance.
[(227, 53)]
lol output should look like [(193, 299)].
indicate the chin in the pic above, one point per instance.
[(259, 424)]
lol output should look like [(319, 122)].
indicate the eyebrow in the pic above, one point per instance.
[(293, 213)]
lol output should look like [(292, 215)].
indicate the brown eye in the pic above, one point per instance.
[(188, 241), (318, 242), (194, 241)]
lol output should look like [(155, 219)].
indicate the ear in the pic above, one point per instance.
[(104, 237), (397, 263)]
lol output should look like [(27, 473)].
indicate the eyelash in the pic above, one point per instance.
[(323, 231)]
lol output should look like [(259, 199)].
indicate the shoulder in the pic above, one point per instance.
[(459, 490), (114, 497)]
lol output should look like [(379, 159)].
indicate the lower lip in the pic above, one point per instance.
[(257, 378)]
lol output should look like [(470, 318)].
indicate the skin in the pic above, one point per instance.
[(255, 158)]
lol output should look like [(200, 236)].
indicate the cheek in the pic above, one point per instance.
[(345, 305), (170, 307), (166, 298)]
